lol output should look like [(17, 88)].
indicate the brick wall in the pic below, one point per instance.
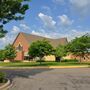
[(21, 40)]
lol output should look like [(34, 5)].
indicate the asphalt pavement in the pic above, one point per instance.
[(49, 79)]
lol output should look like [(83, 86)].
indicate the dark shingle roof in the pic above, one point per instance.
[(54, 42)]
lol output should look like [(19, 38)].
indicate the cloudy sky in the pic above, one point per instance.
[(53, 19)]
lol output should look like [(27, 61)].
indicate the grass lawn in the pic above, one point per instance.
[(30, 64)]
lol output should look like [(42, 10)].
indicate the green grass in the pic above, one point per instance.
[(30, 64)]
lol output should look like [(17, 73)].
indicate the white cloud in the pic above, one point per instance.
[(81, 5), (60, 31), (46, 34), (76, 33), (24, 26), (70, 33), (79, 32), (40, 34), (15, 30), (47, 20), (10, 36), (64, 20)]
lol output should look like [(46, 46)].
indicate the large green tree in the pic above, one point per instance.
[(40, 49), (11, 10), (10, 52), (80, 46)]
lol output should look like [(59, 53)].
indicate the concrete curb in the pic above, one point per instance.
[(6, 86), (86, 66), (46, 67)]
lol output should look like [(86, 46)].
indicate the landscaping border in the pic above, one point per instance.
[(7, 85)]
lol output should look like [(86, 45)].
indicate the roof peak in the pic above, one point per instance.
[(32, 38), (41, 36)]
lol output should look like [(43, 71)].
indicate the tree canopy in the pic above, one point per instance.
[(80, 46), (11, 10), (10, 52), (40, 49), (2, 55), (60, 51)]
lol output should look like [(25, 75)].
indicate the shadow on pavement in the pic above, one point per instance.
[(25, 73)]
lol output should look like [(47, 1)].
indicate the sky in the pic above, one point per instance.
[(52, 19)]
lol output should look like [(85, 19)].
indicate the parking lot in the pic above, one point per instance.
[(49, 79)]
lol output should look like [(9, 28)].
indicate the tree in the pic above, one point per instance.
[(60, 51), (10, 52), (40, 49), (80, 46), (2, 55), (11, 10)]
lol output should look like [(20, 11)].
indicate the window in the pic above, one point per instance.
[(19, 48)]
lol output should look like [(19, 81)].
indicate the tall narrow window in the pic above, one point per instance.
[(19, 48)]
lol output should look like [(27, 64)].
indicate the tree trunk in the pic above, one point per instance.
[(12, 60), (40, 60), (80, 60)]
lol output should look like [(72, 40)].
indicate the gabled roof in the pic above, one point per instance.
[(54, 42)]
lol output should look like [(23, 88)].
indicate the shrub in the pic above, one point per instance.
[(2, 77), (17, 61), (40, 61), (70, 60)]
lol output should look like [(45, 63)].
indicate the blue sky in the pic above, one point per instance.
[(53, 19)]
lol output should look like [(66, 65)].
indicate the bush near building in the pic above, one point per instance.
[(2, 77)]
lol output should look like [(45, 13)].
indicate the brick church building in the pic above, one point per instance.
[(23, 41)]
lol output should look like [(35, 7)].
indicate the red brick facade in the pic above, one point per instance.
[(20, 56), (20, 39)]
